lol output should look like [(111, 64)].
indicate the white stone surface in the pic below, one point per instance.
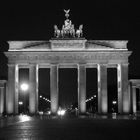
[(67, 44)]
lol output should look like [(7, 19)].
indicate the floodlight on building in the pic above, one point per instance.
[(114, 102), (49, 112), (24, 118), (24, 86), (20, 103), (61, 112)]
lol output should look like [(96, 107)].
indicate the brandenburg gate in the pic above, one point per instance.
[(68, 49)]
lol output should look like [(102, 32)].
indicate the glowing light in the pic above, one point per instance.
[(44, 98), (49, 112), (91, 97), (40, 112), (94, 96), (24, 86), (40, 96), (20, 103), (61, 112), (87, 100), (114, 102), (24, 118)]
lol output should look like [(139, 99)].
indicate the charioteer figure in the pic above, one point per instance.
[(68, 30)]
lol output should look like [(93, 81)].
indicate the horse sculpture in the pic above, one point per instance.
[(72, 31), (79, 32), (56, 31)]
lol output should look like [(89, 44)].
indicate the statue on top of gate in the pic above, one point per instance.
[(68, 30)]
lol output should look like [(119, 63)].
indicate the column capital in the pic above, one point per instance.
[(81, 65), (32, 64), (102, 64), (123, 64), (54, 64), (11, 65), (134, 86)]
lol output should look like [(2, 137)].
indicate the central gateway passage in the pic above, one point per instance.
[(68, 88), (44, 89), (91, 90)]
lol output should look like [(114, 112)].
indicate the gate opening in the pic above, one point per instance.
[(68, 91), (23, 91), (44, 90), (112, 90), (91, 90)]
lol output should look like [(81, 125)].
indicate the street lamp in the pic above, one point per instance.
[(24, 87), (20, 103), (114, 102), (114, 105)]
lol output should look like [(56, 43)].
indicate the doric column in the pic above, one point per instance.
[(81, 88), (134, 105), (16, 88), (102, 89), (123, 94), (10, 93), (37, 85), (1, 100), (54, 88), (138, 96), (33, 94)]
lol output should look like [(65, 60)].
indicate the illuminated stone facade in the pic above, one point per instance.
[(68, 49), (68, 53)]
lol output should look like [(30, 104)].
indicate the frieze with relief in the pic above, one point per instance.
[(67, 57)]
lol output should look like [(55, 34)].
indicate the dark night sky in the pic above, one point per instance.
[(112, 20)]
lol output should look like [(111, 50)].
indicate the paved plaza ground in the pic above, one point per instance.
[(43, 128)]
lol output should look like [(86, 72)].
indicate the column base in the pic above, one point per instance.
[(83, 115), (125, 113), (102, 113), (10, 115), (31, 114), (54, 115)]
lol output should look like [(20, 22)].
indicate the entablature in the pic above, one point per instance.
[(68, 45), (69, 57)]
